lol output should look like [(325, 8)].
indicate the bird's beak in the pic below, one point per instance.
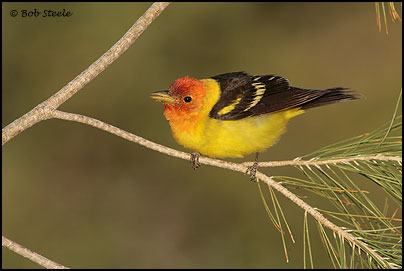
[(162, 96)]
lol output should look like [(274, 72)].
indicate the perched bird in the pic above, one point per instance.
[(235, 114)]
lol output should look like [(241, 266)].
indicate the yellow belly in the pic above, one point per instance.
[(236, 138)]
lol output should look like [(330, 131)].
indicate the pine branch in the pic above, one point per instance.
[(314, 162), (270, 181), (377, 156)]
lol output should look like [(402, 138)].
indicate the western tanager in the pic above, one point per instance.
[(235, 114)]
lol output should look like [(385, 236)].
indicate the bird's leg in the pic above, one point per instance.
[(195, 160), (252, 171)]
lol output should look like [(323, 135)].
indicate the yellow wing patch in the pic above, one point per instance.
[(259, 92), (230, 107)]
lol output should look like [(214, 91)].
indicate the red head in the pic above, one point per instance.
[(184, 100)]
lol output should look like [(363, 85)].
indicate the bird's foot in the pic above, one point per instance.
[(195, 160), (252, 171)]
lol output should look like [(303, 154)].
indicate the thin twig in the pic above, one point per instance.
[(44, 109), (223, 164), (35, 257), (297, 162)]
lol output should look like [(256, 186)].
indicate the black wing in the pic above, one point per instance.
[(245, 95)]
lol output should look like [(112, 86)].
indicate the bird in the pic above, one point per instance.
[(235, 114)]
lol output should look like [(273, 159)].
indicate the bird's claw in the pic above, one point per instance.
[(252, 171), (195, 160)]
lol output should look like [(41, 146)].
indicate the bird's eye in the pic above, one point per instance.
[(187, 99)]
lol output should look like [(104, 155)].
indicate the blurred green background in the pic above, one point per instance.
[(88, 199)]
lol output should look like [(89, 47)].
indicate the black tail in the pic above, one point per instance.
[(330, 96)]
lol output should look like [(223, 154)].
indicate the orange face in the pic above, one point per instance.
[(183, 100)]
